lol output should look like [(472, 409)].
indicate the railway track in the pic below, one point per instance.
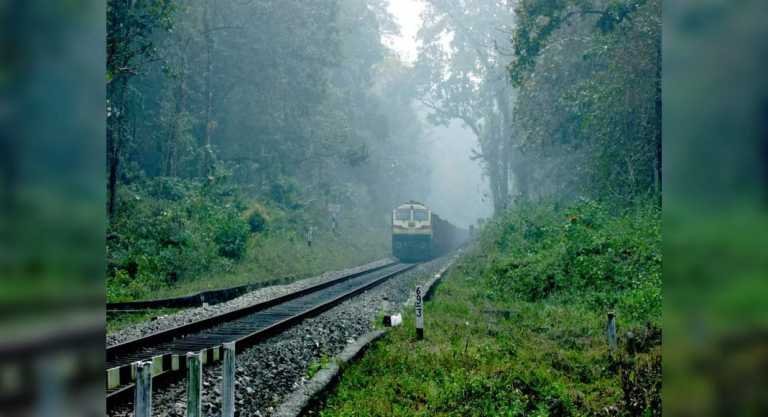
[(245, 327)]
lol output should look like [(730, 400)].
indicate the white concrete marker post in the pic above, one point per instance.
[(419, 304), (228, 381), (142, 403), (194, 378)]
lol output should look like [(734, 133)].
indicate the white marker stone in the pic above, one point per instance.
[(419, 313)]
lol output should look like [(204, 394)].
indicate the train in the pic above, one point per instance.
[(419, 234)]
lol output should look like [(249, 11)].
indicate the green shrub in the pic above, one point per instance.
[(231, 236), (285, 192), (257, 218), (606, 257), (169, 230)]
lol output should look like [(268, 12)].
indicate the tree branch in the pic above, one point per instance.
[(451, 115)]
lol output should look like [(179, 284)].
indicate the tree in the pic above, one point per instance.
[(589, 77), (131, 25), (464, 77)]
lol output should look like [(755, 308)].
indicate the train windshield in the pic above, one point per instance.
[(402, 214), (420, 215)]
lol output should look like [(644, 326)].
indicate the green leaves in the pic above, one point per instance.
[(538, 21), (603, 256), (588, 106), (167, 230)]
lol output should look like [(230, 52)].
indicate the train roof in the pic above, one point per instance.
[(411, 204)]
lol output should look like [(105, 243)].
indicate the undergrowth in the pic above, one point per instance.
[(175, 237), (608, 258), (517, 328)]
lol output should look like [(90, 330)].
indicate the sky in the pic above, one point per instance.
[(407, 13), (458, 189)]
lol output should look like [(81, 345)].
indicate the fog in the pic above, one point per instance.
[(458, 191), (241, 90)]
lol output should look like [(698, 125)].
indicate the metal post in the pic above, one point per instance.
[(142, 403), (228, 381), (611, 330), (419, 304), (194, 378)]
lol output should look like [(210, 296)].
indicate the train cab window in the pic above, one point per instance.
[(420, 215), (402, 214)]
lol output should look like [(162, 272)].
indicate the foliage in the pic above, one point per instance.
[(588, 108), (540, 20), (317, 365), (608, 258), (564, 96), (173, 237), (131, 27), (257, 217), (462, 76), (167, 230)]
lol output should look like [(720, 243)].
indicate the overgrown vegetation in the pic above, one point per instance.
[(606, 258), (174, 237), (517, 328)]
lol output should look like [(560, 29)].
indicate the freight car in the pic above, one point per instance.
[(418, 234)]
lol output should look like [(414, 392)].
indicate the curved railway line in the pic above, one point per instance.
[(246, 326)]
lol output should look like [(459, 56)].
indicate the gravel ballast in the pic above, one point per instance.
[(262, 294), (271, 370)]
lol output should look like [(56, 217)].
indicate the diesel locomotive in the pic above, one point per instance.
[(418, 234)]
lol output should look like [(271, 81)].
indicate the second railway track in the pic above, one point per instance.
[(244, 326)]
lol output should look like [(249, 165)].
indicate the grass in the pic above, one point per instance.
[(272, 257), (317, 365), (486, 357), (518, 326)]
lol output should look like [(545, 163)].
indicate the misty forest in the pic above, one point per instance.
[(264, 140)]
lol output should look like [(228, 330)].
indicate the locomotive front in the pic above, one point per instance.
[(412, 232)]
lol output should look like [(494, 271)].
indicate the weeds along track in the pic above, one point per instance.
[(245, 326)]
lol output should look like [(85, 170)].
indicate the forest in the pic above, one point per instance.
[(237, 130), (262, 139), (229, 119)]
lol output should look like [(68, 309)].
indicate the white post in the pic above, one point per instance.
[(228, 381), (419, 304), (142, 403), (194, 378)]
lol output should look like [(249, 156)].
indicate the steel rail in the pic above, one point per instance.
[(252, 324), (169, 334)]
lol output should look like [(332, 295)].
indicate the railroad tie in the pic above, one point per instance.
[(126, 374)]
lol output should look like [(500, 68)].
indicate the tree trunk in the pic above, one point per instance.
[(114, 145), (657, 180), (208, 151), (180, 105), (504, 140)]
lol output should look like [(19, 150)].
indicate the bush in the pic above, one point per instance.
[(257, 218), (231, 236), (166, 231), (608, 258)]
